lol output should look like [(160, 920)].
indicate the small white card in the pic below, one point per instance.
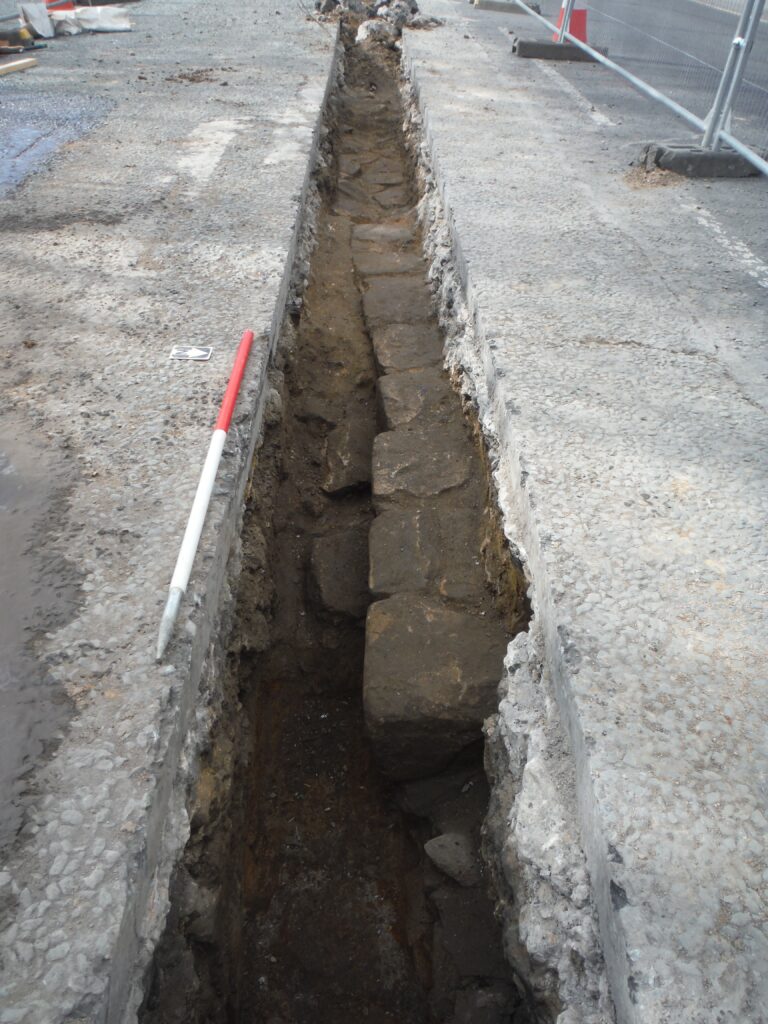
[(198, 353)]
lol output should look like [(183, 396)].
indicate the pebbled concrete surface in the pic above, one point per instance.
[(613, 335), (170, 215)]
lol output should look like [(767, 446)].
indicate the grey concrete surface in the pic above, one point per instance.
[(170, 175), (613, 334)]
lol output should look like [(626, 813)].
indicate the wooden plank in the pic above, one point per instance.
[(17, 65)]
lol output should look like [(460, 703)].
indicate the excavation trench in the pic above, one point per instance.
[(306, 893)]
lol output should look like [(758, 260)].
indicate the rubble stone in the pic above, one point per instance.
[(467, 929), (348, 456), (454, 854)]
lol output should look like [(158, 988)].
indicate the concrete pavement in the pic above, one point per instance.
[(181, 159), (613, 335)]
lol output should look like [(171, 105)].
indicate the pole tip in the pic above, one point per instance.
[(168, 621)]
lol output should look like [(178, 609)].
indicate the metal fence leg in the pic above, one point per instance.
[(566, 11), (733, 72)]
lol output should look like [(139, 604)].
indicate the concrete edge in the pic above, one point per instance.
[(469, 352), (167, 826)]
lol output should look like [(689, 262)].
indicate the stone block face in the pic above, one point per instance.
[(368, 261), (422, 392), (406, 346), (468, 931), (382, 234), (348, 456), (430, 679), (427, 550), (338, 570), (411, 465), (396, 299), (454, 854)]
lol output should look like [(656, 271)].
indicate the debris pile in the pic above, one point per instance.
[(37, 21), (384, 20)]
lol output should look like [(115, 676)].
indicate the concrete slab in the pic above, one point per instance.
[(145, 231), (612, 340)]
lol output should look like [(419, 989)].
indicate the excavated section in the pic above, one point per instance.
[(334, 870)]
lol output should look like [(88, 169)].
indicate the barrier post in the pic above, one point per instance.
[(733, 72)]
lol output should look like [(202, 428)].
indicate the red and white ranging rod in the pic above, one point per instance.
[(191, 539)]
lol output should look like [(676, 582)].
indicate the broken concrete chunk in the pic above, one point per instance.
[(348, 456), (413, 464), (406, 346), (421, 392), (377, 32), (428, 549), (454, 853), (400, 299), (430, 679), (338, 568)]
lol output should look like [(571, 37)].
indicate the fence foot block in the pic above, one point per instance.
[(548, 51), (695, 162), (504, 6)]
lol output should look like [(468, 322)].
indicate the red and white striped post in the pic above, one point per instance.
[(188, 549)]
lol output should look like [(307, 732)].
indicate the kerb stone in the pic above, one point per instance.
[(430, 679), (405, 396), (417, 464), (396, 299), (427, 550), (406, 346)]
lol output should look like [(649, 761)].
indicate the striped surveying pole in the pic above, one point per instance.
[(188, 549)]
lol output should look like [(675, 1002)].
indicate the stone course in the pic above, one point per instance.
[(431, 674)]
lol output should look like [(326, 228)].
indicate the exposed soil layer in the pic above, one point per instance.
[(329, 909)]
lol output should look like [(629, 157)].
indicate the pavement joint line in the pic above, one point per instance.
[(737, 250)]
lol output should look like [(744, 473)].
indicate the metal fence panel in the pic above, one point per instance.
[(695, 53)]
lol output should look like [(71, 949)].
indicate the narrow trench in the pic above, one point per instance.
[(375, 606)]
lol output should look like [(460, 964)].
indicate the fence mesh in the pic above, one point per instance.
[(681, 47), (750, 111)]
